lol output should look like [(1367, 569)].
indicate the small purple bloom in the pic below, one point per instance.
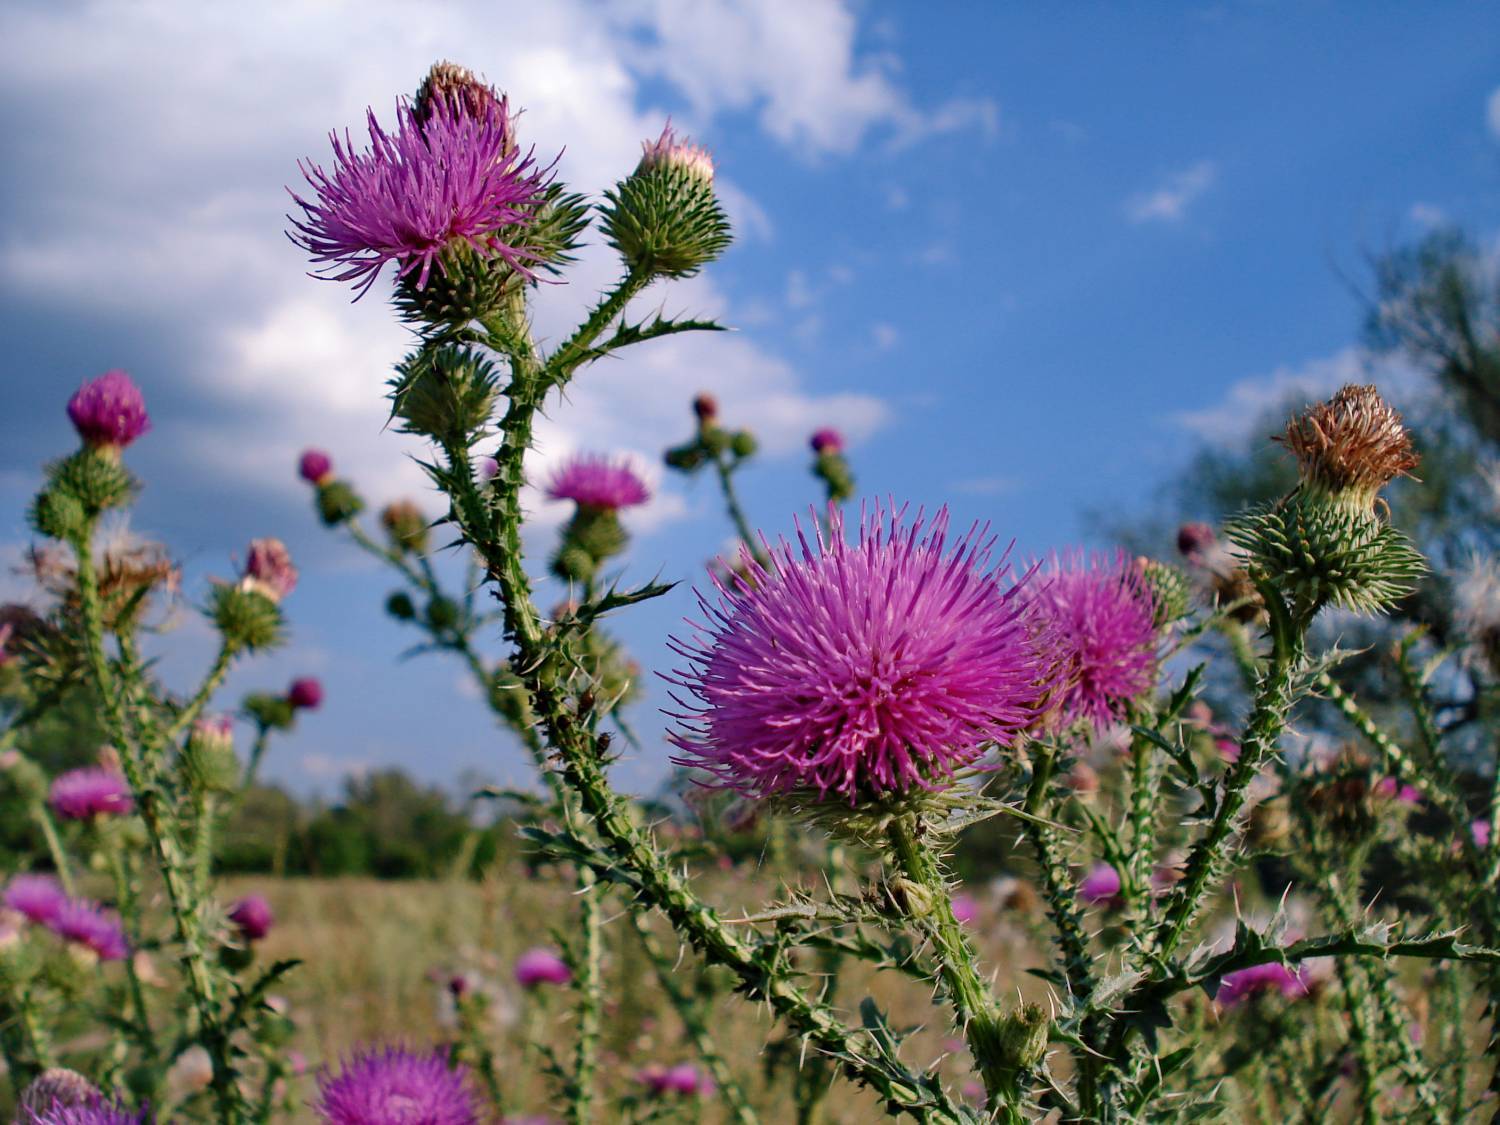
[(305, 694), (253, 916), (592, 481), (1101, 615), (488, 468), (706, 407), (109, 412), (684, 1079), (965, 909), (269, 569), (859, 669), (39, 897), (541, 966), (1101, 886), (315, 466), (1479, 832), (1239, 986), (454, 178), (827, 440), (86, 793), (1393, 790), (1228, 748), (88, 924), (394, 1086)]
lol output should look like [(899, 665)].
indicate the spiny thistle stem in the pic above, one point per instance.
[(163, 836), (590, 989), (48, 824), (725, 472), (125, 892), (977, 1013), (1362, 1037), (691, 1014), (257, 752), (1273, 700), (493, 526), (211, 683)]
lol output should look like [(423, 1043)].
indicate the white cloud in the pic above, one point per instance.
[(1246, 403), (1427, 215), (1492, 112), (885, 336), (151, 186), (1170, 202)]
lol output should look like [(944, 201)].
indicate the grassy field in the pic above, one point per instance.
[(372, 949)]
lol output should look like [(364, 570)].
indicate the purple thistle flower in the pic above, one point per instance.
[(1479, 832), (39, 897), (305, 694), (541, 966), (92, 1108), (1239, 986), (269, 569), (315, 466), (593, 481), (394, 1086), (253, 917), (88, 924), (109, 412), (453, 178), (1101, 614), (827, 440), (90, 792), (862, 670), (1101, 886), (1392, 789), (965, 909)]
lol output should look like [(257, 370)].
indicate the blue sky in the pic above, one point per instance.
[(1028, 256)]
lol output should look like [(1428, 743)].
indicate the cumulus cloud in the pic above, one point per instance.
[(149, 188), (1246, 403), (1169, 203)]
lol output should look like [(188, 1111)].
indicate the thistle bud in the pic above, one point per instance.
[(445, 393), (1023, 1037), (456, 86), (406, 526), (1327, 542), (246, 618), (399, 605), (443, 613), (269, 712), (1169, 591), (338, 502), (208, 760), (664, 218), (706, 407), (743, 444)]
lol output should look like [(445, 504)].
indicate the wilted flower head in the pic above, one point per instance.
[(406, 524), (1195, 538), (1102, 620), (1239, 986), (859, 669), (1101, 886), (305, 694), (827, 440), (39, 897), (453, 177), (88, 924), (1355, 443), (253, 917), (705, 407), (269, 569), (109, 412), (84, 793), (400, 1087), (541, 966), (673, 152), (315, 466), (593, 481)]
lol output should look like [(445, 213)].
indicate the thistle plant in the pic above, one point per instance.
[(1233, 916)]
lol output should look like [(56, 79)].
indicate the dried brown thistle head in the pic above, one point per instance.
[(1352, 445)]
